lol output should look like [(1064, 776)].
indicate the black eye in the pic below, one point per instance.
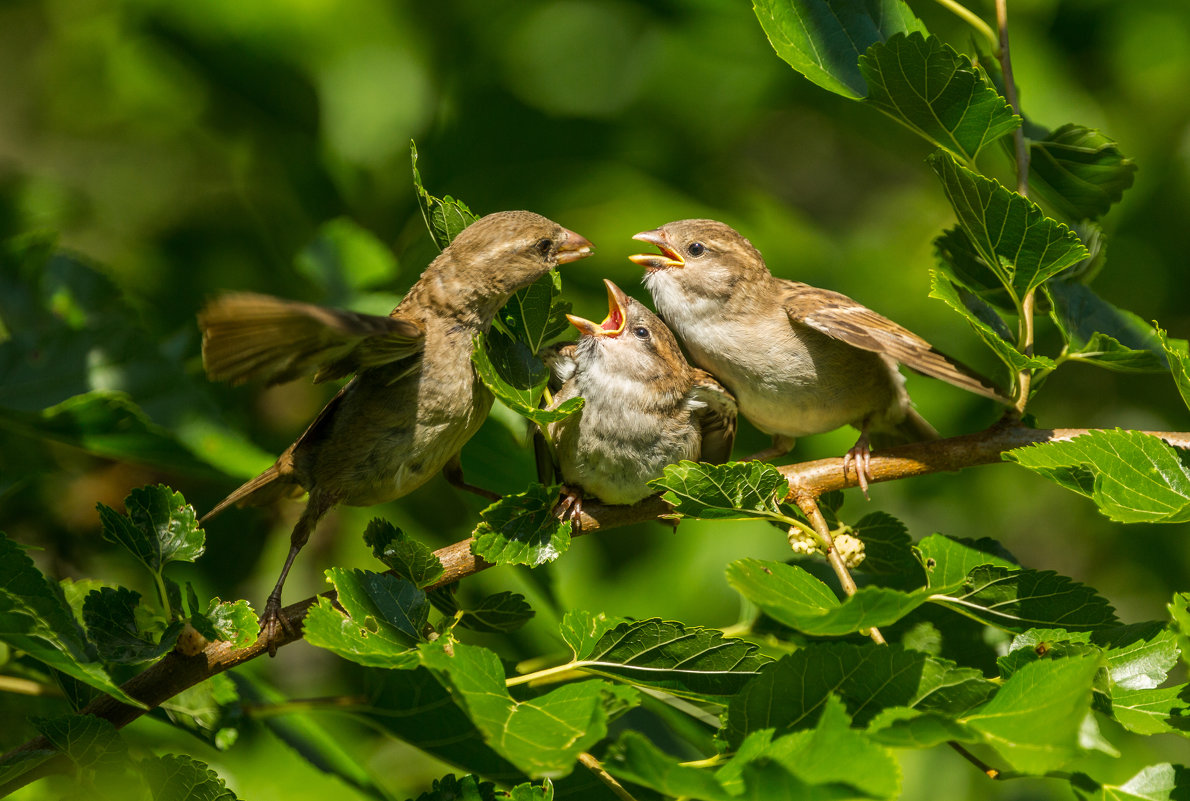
[(544, 246), (640, 332), (695, 248)]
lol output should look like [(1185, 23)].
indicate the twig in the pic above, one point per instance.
[(985, 768), (592, 764), (175, 673), (972, 19)]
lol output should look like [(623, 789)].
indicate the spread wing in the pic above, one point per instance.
[(841, 317), (716, 416), (247, 336)]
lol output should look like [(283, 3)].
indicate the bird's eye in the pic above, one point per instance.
[(544, 246), (696, 249), (640, 332)]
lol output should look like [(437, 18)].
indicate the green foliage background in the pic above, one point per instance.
[(183, 149)]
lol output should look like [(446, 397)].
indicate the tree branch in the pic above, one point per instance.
[(175, 673)]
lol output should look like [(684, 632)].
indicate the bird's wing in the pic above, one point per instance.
[(839, 316), (715, 415), (247, 336)]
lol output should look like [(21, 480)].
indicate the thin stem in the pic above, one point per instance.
[(592, 764), (546, 673), (305, 705), (1025, 378), (972, 19), (985, 768), (809, 506), (14, 684)]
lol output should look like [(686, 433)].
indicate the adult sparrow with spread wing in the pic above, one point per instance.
[(414, 400), (800, 360), (646, 407)]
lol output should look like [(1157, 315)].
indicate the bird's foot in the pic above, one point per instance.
[(274, 626), (860, 455), (570, 507)]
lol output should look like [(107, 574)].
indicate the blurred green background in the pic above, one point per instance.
[(182, 149)]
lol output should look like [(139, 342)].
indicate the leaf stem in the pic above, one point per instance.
[(545, 673), (592, 764), (305, 705), (985, 768), (972, 19), (15, 684)]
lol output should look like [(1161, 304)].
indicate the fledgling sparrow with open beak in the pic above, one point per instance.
[(646, 407), (800, 360), (415, 398)]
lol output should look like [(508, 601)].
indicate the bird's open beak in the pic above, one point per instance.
[(613, 324), (574, 248), (653, 261)]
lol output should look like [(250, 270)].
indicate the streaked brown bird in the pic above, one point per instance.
[(800, 360), (646, 407), (414, 400)]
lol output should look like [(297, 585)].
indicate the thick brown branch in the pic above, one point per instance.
[(175, 672)]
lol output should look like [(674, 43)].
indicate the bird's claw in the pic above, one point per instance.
[(274, 626), (860, 455)]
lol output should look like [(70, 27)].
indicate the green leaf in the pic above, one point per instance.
[(684, 660), (210, 710), (502, 612), (1179, 612), (1177, 351), (1099, 333), (1017, 600), (1163, 782), (521, 529), (791, 595), (1140, 656), (385, 618), (949, 560), (1021, 245), (445, 217), (581, 630), (823, 40), (110, 617), (955, 255), (888, 551), (902, 727), (983, 319), (536, 314), (88, 741), (404, 555), (926, 85), (633, 758), (517, 377), (35, 618), (1132, 477), (1079, 171), (732, 491), (159, 527), (468, 788), (543, 736), (532, 792), (345, 259), (789, 694), (1035, 718), (175, 777), (234, 622), (1163, 710)]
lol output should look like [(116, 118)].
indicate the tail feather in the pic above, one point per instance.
[(269, 486), (916, 428)]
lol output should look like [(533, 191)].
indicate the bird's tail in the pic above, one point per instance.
[(269, 486), (914, 428)]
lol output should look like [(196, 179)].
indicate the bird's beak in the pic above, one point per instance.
[(653, 261), (613, 324), (574, 248)]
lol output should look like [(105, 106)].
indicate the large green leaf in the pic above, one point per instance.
[(1163, 782), (1018, 600), (903, 727), (1035, 718), (1097, 332), (517, 377), (35, 618), (1021, 245), (823, 39), (536, 314), (731, 491), (681, 659), (949, 560), (1079, 171), (542, 736), (404, 555), (501, 612), (923, 83), (1164, 710), (159, 527), (791, 595), (983, 319), (445, 216), (1132, 477), (521, 529)]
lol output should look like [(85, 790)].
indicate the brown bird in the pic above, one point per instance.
[(646, 407), (414, 400), (800, 360)]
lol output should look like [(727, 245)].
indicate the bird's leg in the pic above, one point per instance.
[(570, 507), (272, 622), (861, 456), (453, 472), (781, 446)]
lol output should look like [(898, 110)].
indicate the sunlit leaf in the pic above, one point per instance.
[(1163, 782), (926, 85), (729, 491), (385, 617), (949, 560), (521, 529), (445, 216), (159, 527), (404, 555), (1178, 354), (1017, 600)]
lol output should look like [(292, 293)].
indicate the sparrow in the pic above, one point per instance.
[(800, 360), (414, 399), (646, 407)]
